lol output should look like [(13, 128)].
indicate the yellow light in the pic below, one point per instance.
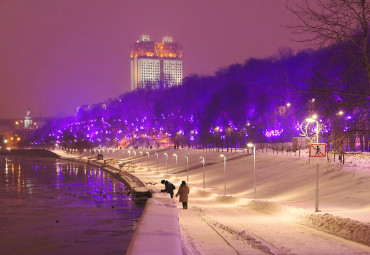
[(314, 116), (250, 144), (310, 120), (16, 123), (11, 138), (340, 112), (18, 139)]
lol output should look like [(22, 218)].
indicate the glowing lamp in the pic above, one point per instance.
[(310, 120)]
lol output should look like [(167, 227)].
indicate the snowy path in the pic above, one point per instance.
[(200, 237), (251, 232)]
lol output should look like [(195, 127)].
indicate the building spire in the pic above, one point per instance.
[(28, 119)]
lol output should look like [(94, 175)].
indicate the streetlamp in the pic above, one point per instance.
[(204, 174), (129, 153), (141, 157), (317, 167), (223, 156), (147, 153), (156, 153), (187, 168), (175, 155), (166, 160), (254, 168)]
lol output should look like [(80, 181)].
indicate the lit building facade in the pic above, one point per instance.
[(155, 64)]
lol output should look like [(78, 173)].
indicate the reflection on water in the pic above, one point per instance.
[(58, 207)]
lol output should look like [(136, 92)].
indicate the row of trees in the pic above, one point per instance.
[(262, 101)]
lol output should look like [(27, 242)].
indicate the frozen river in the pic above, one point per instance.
[(49, 206)]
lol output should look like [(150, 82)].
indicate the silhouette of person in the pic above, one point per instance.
[(317, 150)]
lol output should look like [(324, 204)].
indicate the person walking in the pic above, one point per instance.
[(183, 192), (168, 187)]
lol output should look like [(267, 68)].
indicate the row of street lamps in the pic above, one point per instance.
[(203, 165)]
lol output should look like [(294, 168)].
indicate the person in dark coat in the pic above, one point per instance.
[(168, 187), (183, 192)]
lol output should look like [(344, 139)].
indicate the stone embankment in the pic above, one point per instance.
[(30, 153)]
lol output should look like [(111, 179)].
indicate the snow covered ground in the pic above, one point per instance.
[(281, 220)]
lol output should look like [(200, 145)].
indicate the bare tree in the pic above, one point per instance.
[(324, 22)]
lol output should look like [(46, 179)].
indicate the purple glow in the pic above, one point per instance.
[(273, 133)]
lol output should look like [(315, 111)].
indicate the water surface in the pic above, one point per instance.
[(50, 206)]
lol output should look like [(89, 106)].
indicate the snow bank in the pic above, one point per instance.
[(158, 229), (343, 227)]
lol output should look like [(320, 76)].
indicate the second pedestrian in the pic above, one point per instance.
[(183, 192)]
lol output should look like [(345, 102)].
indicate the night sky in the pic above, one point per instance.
[(57, 55)]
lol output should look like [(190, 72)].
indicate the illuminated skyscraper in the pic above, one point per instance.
[(155, 64)]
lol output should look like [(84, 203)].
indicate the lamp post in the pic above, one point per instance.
[(254, 168), (187, 168), (204, 174), (147, 153), (156, 153), (141, 157), (175, 155), (166, 160), (223, 156), (129, 153), (317, 166)]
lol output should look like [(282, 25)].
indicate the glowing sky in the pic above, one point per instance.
[(56, 55)]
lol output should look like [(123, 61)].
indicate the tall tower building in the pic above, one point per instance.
[(155, 64)]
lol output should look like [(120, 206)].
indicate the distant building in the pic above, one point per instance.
[(155, 64), (28, 120)]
